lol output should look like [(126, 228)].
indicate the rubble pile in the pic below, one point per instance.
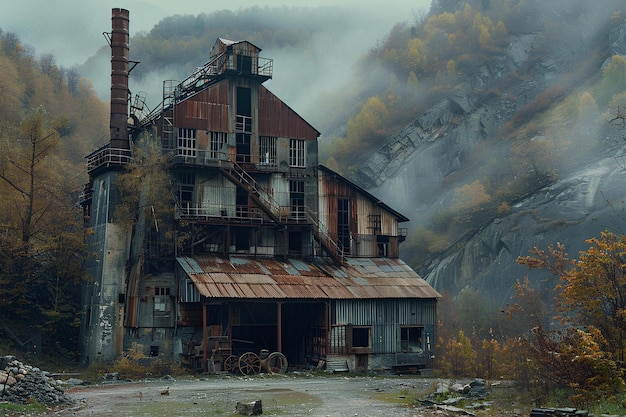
[(449, 395), (23, 384)]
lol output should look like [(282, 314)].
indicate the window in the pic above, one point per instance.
[(295, 243), (161, 290), (296, 196), (411, 339), (186, 182), (343, 224), (361, 337), (186, 142), (267, 150), (243, 147), (162, 299), (244, 64), (218, 139), (296, 153)]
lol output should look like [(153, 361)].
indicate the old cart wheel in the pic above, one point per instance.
[(249, 363), (276, 363), (231, 364)]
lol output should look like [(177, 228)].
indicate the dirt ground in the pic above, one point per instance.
[(281, 395)]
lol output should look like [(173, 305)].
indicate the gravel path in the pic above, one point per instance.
[(281, 395)]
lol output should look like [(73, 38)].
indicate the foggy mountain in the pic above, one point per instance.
[(520, 148)]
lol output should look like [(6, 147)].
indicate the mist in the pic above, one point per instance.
[(72, 30)]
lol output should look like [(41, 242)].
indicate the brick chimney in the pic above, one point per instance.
[(119, 79)]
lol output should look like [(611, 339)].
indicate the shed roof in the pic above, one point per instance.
[(268, 278)]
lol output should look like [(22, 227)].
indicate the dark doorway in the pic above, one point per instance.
[(244, 64), (303, 333)]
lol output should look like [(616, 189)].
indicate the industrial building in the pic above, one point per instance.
[(265, 249)]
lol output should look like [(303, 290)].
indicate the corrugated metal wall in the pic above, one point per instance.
[(208, 110), (278, 119), (385, 318)]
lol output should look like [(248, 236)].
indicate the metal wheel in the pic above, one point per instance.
[(231, 364), (276, 363), (249, 363)]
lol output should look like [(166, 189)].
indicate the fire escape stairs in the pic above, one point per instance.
[(321, 235), (238, 176)]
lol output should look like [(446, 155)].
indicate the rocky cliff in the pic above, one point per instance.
[(469, 132)]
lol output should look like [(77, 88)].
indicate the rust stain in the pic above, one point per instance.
[(272, 279)]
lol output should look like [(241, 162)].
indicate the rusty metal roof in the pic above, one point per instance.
[(267, 278)]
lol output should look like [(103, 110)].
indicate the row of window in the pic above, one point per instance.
[(267, 148)]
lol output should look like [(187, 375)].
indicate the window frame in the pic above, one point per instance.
[(407, 337), (297, 153), (162, 300), (267, 151), (186, 142)]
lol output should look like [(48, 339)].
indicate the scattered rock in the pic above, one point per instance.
[(22, 384)]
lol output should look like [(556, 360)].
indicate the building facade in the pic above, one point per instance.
[(265, 250)]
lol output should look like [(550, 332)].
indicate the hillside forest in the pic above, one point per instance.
[(51, 117)]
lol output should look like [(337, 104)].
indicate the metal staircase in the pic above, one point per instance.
[(322, 236), (238, 176)]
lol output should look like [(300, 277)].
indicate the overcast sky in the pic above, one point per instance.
[(72, 29)]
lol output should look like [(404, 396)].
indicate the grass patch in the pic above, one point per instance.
[(10, 409)]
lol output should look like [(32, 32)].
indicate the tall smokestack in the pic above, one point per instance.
[(119, 79)]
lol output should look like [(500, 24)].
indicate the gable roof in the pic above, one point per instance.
[(269, 278), (372, 198)]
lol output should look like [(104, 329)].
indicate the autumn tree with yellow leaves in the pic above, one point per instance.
[(591, 298)]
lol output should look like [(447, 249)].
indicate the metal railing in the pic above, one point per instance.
[(324, 234), (108, 156)]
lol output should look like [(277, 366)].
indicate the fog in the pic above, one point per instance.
[(71, 30)]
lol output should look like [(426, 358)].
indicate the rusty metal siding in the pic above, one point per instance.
[(385, 318), (278, 119), (297, 279), (207, 110), (380, 315)]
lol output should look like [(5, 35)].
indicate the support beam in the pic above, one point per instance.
[(279, 327), (204, 337), (327, 330)]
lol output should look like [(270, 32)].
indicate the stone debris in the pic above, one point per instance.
[(23, 384), (448, 395), (254, 408)]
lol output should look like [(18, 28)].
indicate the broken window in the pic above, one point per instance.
[(411, 339)]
